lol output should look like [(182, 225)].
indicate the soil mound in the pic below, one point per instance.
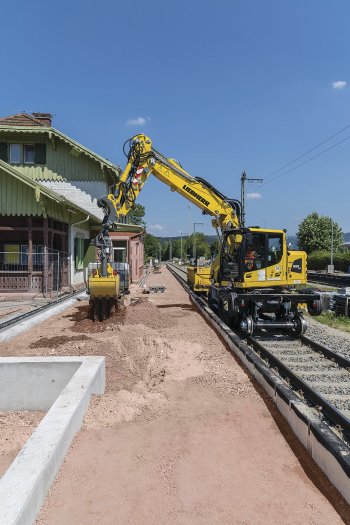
[(142, 311)]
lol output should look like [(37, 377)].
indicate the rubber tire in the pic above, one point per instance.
[(316, 310)]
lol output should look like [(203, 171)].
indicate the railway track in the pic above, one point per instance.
[(336, 280), (38, 311), (316, 374)]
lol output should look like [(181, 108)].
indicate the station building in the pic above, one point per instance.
[(49, 186)]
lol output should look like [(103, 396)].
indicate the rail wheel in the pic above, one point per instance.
[(247, 325), (300, 325)]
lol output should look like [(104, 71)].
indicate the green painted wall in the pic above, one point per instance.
[(62, 162), (16, 198)]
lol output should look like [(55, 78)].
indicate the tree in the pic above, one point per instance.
[(214, 248), (315, 233), (151, 246), (136, 215), (202, 246)]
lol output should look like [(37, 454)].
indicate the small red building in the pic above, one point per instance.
[(128, 247)]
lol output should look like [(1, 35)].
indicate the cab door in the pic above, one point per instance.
[(276, 263)]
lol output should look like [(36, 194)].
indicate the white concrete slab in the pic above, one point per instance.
[(25, 484)]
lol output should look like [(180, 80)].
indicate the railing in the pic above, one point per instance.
[(44, 272)]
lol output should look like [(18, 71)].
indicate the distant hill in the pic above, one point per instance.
[(292, 239)]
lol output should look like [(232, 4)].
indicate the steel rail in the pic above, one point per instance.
[(14, 320), (338, 281), (328, 410)]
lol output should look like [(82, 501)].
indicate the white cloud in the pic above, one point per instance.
[(254, 196), (157, 227), (339, 84), (138, 121)]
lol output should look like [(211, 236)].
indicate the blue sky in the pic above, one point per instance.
[(221, 86)]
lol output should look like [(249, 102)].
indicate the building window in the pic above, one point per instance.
[(29, 153), (15, 153)]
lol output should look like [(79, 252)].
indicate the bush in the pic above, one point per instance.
[(319, 260)]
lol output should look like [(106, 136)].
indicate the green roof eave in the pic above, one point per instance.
[(53, 132), (10, 170)]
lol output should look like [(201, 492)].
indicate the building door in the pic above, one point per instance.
[(119, 255)]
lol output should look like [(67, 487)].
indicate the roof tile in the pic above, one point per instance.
[(21, 119)]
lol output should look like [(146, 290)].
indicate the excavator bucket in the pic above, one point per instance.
[(104, 292)]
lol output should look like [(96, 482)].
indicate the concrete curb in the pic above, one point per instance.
[(25, 484), (38, 316)]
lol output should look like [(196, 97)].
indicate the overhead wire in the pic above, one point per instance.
[(270, 177), (308, 160)]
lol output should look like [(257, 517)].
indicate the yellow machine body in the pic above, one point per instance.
[(199, 278)]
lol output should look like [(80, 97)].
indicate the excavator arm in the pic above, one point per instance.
[(144, 160)]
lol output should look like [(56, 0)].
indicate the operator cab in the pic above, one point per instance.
[(253, 257)]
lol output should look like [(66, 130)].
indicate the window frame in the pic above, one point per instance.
[(9, 152), (24, 154)]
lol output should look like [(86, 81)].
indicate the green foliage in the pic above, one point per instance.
[(170, 248), (314, 234), (214, 248), (330, 319), (151, 246), (136, 215), (320, 259), (202, 246)]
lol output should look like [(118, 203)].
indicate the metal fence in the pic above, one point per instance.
[(44, 271)]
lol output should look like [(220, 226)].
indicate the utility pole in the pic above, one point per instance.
[(332, 248), (181, 234), (194, 239), (170, 249), (244, 178)]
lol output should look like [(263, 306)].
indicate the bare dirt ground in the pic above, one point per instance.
[(182, 435), (15, 429)]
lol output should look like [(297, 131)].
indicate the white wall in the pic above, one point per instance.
[(76, 276)]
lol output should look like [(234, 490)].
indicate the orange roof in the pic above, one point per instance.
[(21, 119)]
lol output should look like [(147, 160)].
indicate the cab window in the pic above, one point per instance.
[(255, 253), (274, 254)]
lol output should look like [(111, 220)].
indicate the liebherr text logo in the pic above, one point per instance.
[(195, 195)]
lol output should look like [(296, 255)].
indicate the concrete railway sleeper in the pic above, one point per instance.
[(309, 383)]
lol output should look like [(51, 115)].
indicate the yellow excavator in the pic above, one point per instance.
[(252, 282)]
